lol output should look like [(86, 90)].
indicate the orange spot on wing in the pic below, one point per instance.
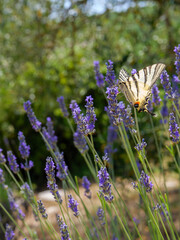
[(137, 102)]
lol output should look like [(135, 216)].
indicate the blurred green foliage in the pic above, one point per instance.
[(48, 49)]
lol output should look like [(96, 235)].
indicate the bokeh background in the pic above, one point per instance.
[(48, 49)]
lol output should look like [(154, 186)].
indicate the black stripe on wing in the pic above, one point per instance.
[(152, 73), (123, 75)]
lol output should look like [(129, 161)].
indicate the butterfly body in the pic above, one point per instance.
[(137, 88)]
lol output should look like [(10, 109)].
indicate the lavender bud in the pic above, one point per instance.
[(86, 185), (36, 125), (12, 162), (72, 204), (99, 76), (42, 209), (62, 106), (23, 147)]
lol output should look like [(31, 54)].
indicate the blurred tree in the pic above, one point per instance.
[(48, 48)]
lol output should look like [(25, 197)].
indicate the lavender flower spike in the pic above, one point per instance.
[(36, 125), (173, 128), (90, 116), (72, 204), (155, 95), (62, 168), (139, 147), (110, 75), (166, 84), (14, 206), (2, 157), (80, 142), (100, 214), (78, 117), (42, 209), (144, 181), (2, 180), (51, 181), (104, 185), (28, 193), (99, 76), (86, 185), (63, 229), (9, 234), (49, 134), (12, 162), (62, 106), (177, 62), (23, 147)]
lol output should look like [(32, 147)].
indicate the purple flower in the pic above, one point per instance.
[(113, 109), (137, 221), (175, 90), (166, 83), (125, 116), (42, 209), (133, 71), (105, 158), (51, 181), (173, 128), (78, 117), (12, 162), (144, 181), (36, 125), (49, 134), (23, 147), (158, 207), (9, 234), (2, 179), (2, 157), (100, 214), (14, 206), (62, 106), (111, 137), (80, 142), (177, 62), (99, 76), (150, 106), (27, 166), (90, 116), (110, 75), (86, 185), (155, 95), (63, 229), (164, 109), (104, 184), (62, 168), (139, 147), (27, 192), (72, 204), (112, 134)]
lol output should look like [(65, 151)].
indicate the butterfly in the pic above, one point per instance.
[(137, 87)]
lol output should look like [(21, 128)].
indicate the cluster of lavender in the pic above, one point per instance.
[(51, 181), (86, 185), (141, 146), (105, 185), (85, 124), (144, 181)]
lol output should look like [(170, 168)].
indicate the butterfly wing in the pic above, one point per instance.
[(125, 86), (137, 88), (146, 78)]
